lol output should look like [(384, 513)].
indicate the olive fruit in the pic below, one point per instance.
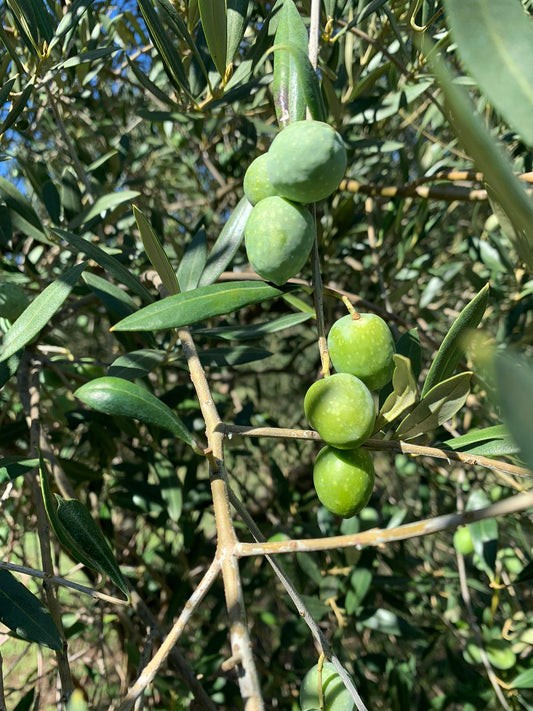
[(343, 479), (341, 409), (278, 236), (306, 161), (462, 541), (256, 184), (336, 695), (362, 344)]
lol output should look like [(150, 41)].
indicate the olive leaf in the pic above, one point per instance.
[(136, 364), (289, 99), (13, 467), (227, 243), (197, 305), (115, 396), (213, 16), (403, 395), (193, 261), (452, 347), (156, 253), (39, 312), (78, 533), (495, 441), (440, 404), (23, 612)]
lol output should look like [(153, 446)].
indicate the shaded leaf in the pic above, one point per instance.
[(388, 622), (23, 216), (156, 253), (39, 312), (227, 243), (484, 533), (495, 43), (136, 364), (524, 680), (193, 261), (287, 89), (408, 345), (107, 261), (18, 107), (440, 404), (115, 396), (254, 330), (13, 467), (236, 355), (115, 299), (403, 395), (25, 615), (8, 368), (452, 347), (78, 533), (193, 306), (103, 204), (514, 379)]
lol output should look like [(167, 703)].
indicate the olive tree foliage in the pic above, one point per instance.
[(161, 540)]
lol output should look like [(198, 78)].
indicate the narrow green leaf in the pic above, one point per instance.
[(404, 392), (148, 84), (102, 205), (39, 312), (25, 615), (164, 45), (116, 300), (489, 441), (70, 19), (18, 107), (236, 12), (44, 20), (5, 90), (408, 345), (8, 368), (452, 347), (108, 262), (236, 355), (489, 159), (136, 364), (85, 57), (484, 533), (13, 467), (287, 89), (23, 216), (82, 529), (495, 43), (227, 243), (192, 306), (213, 16), (254, 330), (193, 261), (524, 680), (440, 404), (514, 380), (115, 396), (307, 79), (156, 253)]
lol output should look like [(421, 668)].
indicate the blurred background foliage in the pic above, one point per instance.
[(106, 104)]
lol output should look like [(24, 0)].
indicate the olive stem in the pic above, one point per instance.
[(385, 536), (501, 468), (351, 308), (319, 306)]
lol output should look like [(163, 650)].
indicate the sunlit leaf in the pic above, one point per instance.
[(193, 261), (13, 467), (495, 43), (39, 312), (403, 395)]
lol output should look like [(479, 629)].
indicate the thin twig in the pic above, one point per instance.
[(449, 193), (380, 536), (63, 582), (416, 450), (149, 672), (323, 644)]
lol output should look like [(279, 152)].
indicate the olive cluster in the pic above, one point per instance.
[(341, 409), (304, 164)]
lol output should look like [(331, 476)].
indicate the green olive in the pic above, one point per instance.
[(278, 236), (256, 184), (306, 161), (336, 696), (341, 409), (362, 344), (344, 480)]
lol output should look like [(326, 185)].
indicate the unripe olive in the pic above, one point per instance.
[(306, 161), (362, 344), (336, 696), (256, 184), (278, 236), (343, 479), (462, 541), (341, 409)]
